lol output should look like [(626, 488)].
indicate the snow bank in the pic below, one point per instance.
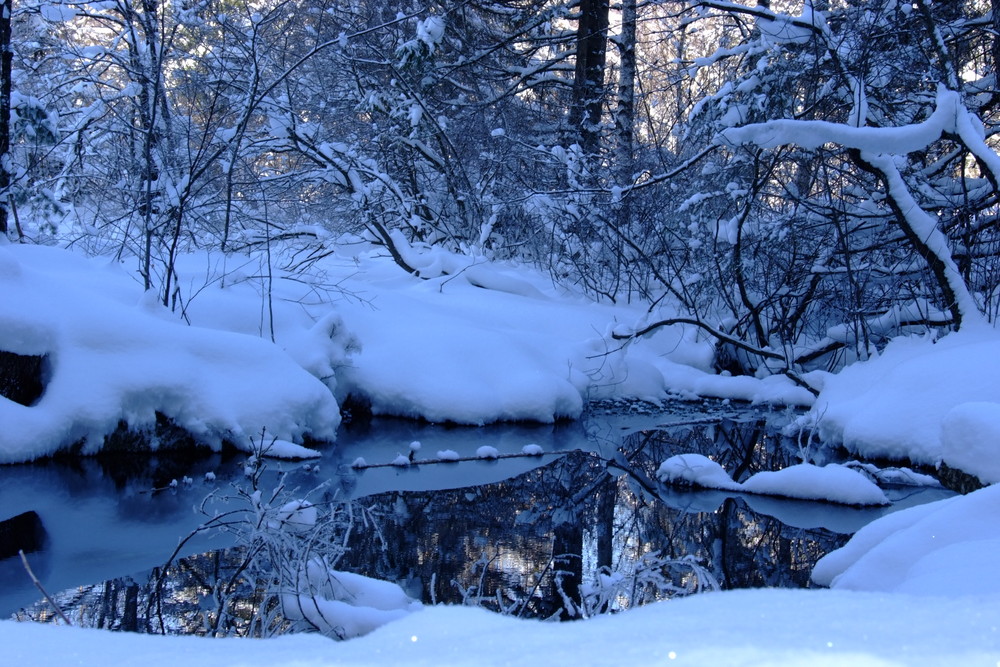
[(948, 547), (738, 628), (113, 356), (805, 481), (921, 400), (970, 439), (486, 342), (344, 604), (475, 343), (833, 483)]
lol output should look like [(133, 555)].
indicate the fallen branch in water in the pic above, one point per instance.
[(460, 459)]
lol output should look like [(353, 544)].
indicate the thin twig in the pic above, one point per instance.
[(24, 559)]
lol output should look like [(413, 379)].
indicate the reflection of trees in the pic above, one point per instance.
[(183, 602), (590, 514), (533, 545)]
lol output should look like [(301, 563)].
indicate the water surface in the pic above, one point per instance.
[(516, 534)]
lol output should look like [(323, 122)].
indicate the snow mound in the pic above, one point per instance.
[(344, 604), (474, 342), (832, 483), (111, 360), (805, 481), (696, 470), (282, 449), (899, 405), (970, 439), (487, 452), (946, 547)]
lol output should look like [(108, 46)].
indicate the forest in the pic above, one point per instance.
[(527, 262), (801, 181)]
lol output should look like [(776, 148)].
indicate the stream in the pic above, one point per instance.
[(516, 534)]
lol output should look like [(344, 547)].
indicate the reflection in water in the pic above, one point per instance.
[(577, 532), (583, 529)]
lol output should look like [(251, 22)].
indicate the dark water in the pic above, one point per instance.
[(582, 528)]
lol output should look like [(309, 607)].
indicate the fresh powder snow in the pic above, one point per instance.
[(833, 483), (489, 343)]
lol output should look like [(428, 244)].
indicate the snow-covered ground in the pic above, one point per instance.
[(922, 399), (756, 627), (485, 343)]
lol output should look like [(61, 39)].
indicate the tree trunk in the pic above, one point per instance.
[(625, 114), (6, 62), (588, 81)]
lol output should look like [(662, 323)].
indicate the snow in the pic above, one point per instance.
[(812, 134), (344, 604), (925, 400), (282, 449), (114, 357), (833, 483), (474, 342), (487, 452), (946, 547), (970, 439), (297, 516), (487, 342), (738, 628), (697, 470), (810, 482)]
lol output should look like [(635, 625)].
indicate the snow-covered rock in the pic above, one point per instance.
[(832, 483), (487, 452)]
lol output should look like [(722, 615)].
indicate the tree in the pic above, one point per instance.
[(6, 82)]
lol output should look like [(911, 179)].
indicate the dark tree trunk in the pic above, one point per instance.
[(588, 81), (6, 62), (130, 615)]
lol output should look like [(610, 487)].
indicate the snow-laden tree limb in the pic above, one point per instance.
[(873, 150), (811, 134)]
